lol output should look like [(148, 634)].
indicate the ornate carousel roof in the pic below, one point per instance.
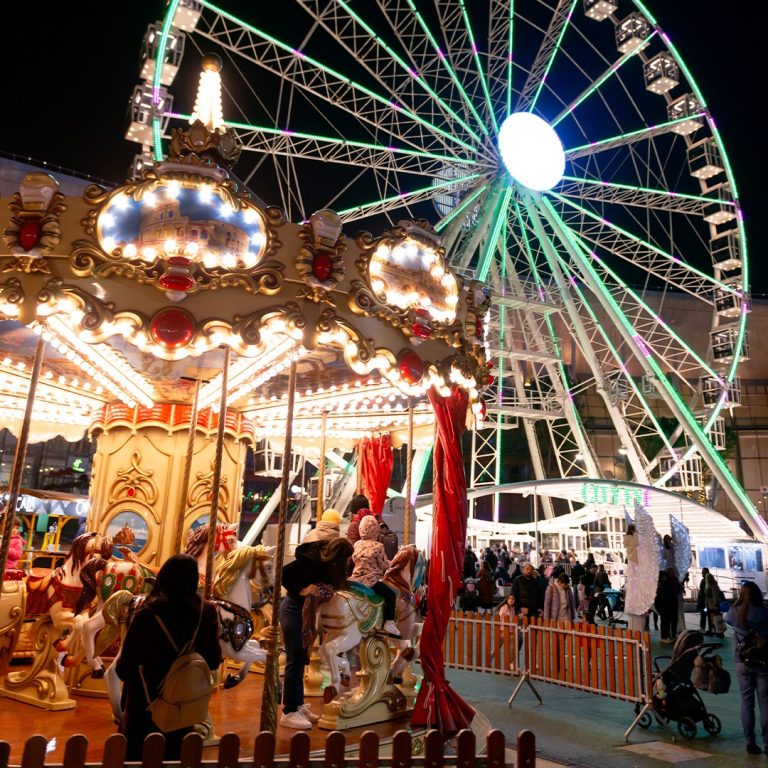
[(138, 290)]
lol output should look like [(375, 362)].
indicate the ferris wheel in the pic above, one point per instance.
[(567, 158)]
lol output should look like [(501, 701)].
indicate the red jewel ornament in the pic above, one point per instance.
[(172, 328), (131, 492), (422, 328), (479, 329), (489, 379), (321, 266), (171, 282), (29, 234), (411, 368)]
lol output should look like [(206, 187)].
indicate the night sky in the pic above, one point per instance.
[(71, 67)]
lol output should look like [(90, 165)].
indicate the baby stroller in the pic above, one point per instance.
[(675, 698)]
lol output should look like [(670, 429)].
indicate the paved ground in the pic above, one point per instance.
[(582, 729)]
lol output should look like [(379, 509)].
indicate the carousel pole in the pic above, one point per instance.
[(408, 475), (321, 471), (20, 456), (181, 514), (271, 671), (214, 518)]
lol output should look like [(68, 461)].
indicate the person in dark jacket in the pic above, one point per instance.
[(667, 590), (577, 571), (529, 596), (749, 612), (470, 564), (175, 601), (318, 562), (486, 587), (389, 539), (491, 558), (359, 508), (705, 619)]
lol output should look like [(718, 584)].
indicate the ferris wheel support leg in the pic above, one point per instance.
[(678, 407)]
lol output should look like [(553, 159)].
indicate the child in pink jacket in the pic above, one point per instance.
[(371, 563)]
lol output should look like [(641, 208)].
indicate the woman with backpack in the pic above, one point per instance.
[(749, 613), (173, 617)]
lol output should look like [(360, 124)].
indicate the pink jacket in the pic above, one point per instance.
[(369, 556), (15, 550)]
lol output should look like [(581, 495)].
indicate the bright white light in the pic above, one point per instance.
[(531, 151)]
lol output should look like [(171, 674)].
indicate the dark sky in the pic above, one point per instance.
[(71, 67)]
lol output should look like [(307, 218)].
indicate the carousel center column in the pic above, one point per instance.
[(138, 474)]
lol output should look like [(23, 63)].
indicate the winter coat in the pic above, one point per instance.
[(324, 531), (553, 600), (701, 598), (369, 556), (713, 597), (528, 594), (353, 530), (389, 539), (15, 551), (485, 586)]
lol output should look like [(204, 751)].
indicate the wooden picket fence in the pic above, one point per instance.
[(335, 754), (480, 642)]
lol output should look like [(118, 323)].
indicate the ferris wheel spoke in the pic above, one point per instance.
[(320, 81), (404, 198), (596, 84), (545, 56), (625, 139), (643, 254), (596, 191), (401, 79), (456, 215), (500, 63)]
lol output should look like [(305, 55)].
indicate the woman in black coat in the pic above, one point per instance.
[(174, 599)]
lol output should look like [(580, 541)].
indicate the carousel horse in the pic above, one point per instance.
[(103, 578), (355, 613), (57, 593), (233, 599)]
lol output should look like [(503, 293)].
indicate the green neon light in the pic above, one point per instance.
[(499, 216), (453, 159), (479, 66), (443, 223), (444, 61), (418, 470), (644, 190), (329, 70), (403, 196), (510, 48), (556, 48), (690, 420), (596, 146), (646, 244), (404, 65), (157, 133), (610, 72)]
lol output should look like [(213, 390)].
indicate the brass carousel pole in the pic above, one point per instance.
[(321, 471), (20, 456), (271, 671), (214, 518), (177, 543), (408, 475)]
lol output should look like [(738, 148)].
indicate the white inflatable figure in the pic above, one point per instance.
[(681, 541), (642, 569)]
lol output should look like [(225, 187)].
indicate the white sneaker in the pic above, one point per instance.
[(391, 628), (308, 713), (295, 720)]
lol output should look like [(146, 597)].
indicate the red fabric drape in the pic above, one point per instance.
[(375, 469), (438, 705)]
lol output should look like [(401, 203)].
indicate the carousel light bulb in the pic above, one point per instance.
[(109, 244), (150, 199), (208, 107), (204, 193), (173, 189), (130, 251)]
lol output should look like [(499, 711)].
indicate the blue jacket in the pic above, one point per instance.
[(757, 619)]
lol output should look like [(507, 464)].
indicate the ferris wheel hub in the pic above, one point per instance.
[(531, 151)]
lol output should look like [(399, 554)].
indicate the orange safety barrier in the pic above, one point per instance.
[(482, 643)]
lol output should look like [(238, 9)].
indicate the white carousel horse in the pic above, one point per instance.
[(103, 579), (57, 593), (350, 615), (233, 599)]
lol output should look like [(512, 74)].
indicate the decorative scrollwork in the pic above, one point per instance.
[(12, 292), (249, 327), (133, 482)]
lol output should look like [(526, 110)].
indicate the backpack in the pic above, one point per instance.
[(184, 692), (752, 651)]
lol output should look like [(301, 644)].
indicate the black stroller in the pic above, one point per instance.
[(675, 698)]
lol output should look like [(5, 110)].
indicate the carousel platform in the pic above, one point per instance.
[(236, 710)]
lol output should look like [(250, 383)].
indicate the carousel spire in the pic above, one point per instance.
[(207, 141)]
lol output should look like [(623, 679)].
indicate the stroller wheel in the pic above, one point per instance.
[(645, 720), (712, 724), (686, 727)]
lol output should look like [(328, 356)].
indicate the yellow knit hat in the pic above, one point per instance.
[(331, 516)]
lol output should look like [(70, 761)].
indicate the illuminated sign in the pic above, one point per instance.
[(615, 495)]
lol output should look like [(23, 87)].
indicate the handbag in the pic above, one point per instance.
[(752, 651)]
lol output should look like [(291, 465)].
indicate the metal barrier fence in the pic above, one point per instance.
[(335, 752), (607, 661)]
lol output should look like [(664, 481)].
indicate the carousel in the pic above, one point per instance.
[(178, 319)]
